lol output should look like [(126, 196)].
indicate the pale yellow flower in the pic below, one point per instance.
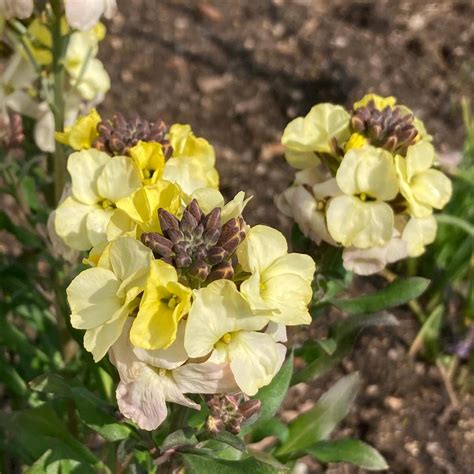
[(164, 303), (418, 233), (101, 298), (424, 188), (192, 165), (279, 286), (231, 336), (83, 133), (360, 217), (356, 140), (304, 136), (98, 183)]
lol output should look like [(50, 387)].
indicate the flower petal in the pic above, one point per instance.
[(418, 233), (97, 222), (432, 187), (254, 360), (419, 158), (70, 223), (85, 168), (119, 178), (92, 297), (221, 309), (360, 224), (262, 246)]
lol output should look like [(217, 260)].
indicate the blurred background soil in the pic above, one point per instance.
[(238, 71)]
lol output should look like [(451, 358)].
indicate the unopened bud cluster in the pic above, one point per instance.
[(228, 412), (366, 181), (198, 245), (11, 130), (118, 135)]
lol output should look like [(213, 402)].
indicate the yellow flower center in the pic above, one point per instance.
[(171, 302), (320, 206), (162, 372), (106, 204), (226, 338)]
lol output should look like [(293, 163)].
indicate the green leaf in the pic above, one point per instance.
[(34, 431), (272, 427), (198, 464), (230, 439), (395, 294), (348, 450), (428, 336), (318, 423), (274, 393), (185, 437), (93, 411)]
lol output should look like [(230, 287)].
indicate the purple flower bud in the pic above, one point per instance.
[(222, 271), (174, 235), (213, 219), (188, 222), (167, 220), (199, 270), (250, 408), (158, 243), (194, 209)]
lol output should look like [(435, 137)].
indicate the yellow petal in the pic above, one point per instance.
[(432, 187), (149, 158), (92, 297), (368, 170), (85, 168), (379, 101), (352, 222), (164, 303), (255, 358), (420, 157), (119, 178), (83, 133), (261, 247), (418, 233)]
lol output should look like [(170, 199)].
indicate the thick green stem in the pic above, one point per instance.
[(58, 49)]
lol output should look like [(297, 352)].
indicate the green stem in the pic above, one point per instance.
[(58, 106)]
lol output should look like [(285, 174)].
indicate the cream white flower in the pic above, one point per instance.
[(148, 379), (231, 335), (84, 14), (16, 9), (101, 298), (304, 136), (306, 202), (423, 187), (360, 217), (280, 283), (192, 165), (98, 182)]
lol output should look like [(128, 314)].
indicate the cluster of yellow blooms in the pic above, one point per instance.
[(182, 294), (366, 181)]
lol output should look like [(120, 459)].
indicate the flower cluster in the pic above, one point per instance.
[(366, 181), (183, 295), (25, 86)]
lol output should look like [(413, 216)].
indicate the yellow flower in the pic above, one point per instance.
[(192, 165), (423, 187), (305, 136), (141, 207), (83, 133), (356, 140), (98, 183), (164, 303), (101, 298), (280, 283), (222, 324), (150, 160), (361, 217), (379, 101)]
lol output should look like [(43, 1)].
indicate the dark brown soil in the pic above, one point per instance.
[(238, 71)]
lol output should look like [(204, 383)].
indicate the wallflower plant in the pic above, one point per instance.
[(169, 348)]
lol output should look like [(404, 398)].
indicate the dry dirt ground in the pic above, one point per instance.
[(238, 71)]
